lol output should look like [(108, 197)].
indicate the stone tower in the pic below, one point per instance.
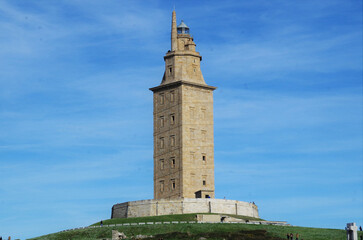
[(183, 141), (183, 123)]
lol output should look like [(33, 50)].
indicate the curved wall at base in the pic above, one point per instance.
[(152, 207)]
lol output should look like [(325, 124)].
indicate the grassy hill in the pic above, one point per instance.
[(166, 218), (195, 231)]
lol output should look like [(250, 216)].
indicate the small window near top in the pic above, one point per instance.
[(172, 119), (203, 110), (161, 143), (192, 136), (204, 182), (161, 98), (172, 161), (161, 121), (204, 158), (170, 70), (204, 135), (172, 140), (172, 96), (161, 164), (161, 186), (192, 156), (191, 111), (173, 184)]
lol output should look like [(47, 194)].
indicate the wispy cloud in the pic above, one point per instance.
[(294, 51), (260, 111), (76, 112)]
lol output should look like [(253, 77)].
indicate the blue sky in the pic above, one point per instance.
[(76, 112)]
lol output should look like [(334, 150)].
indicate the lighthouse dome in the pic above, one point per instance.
[(183, 28)]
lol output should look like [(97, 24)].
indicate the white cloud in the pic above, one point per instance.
[(76, 112), (299, 52)]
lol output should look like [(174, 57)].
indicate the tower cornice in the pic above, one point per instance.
[(179, 83), (182, 53)]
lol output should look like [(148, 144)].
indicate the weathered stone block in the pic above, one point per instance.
[(182, 206)]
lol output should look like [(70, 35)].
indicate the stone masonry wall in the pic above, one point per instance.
[(167, 143), (183, 206), (198, 142)]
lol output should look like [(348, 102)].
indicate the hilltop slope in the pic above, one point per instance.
[(214, 231)]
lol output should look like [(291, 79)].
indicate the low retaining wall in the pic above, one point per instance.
[(152, 207)]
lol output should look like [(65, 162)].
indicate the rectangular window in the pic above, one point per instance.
[(161, 164), (191, 111), (172, 96), (161, 98), (204, 135), (173, 184), (161, 143), (172, 141), (192, 157), (172, 119), (192, 178), (161, 121), (204, 158), (204, 180), (161, 186), (172, 162), (203, 113), (192, 136)]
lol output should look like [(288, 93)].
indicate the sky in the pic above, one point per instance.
[(76, 111)]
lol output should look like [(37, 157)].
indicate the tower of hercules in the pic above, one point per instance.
[(183, 141), (183, 123)]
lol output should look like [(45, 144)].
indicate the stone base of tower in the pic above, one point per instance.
[(145, 208)]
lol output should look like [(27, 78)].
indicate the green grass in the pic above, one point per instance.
[(194, 231), (240, 217), (166, 218)]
